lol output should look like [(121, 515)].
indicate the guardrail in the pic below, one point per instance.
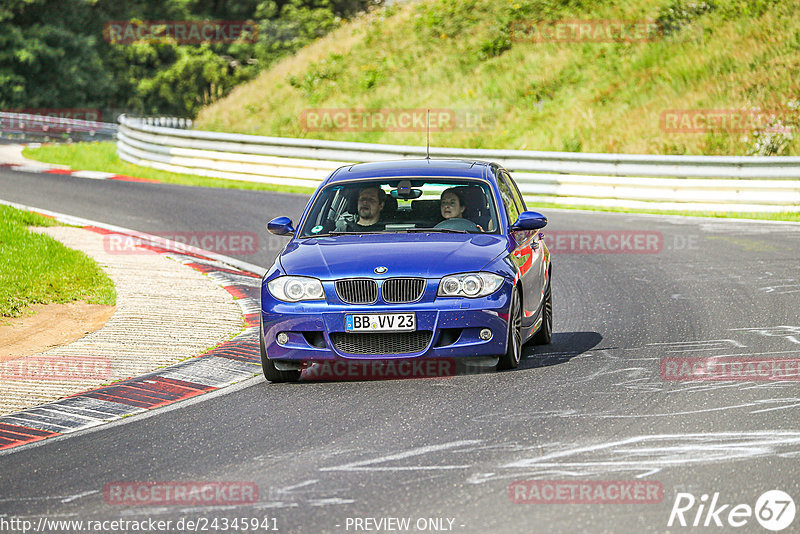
[(23, 127), (717, 183)]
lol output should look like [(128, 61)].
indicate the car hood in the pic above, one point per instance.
[(417, 254)]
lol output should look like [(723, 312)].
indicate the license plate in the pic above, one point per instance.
[(380, 322)]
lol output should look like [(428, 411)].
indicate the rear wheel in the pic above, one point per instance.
[(271, 373), (545, 334), (510, 360)]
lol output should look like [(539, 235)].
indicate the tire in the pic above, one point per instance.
[(545, 333), (270, 372), (510, 360)]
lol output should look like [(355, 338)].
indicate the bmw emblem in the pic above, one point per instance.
[(380, 270)]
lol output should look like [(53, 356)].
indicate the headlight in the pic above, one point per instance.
[(296, 288), (470, 285)]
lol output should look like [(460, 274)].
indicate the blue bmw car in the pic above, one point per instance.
[(411, 259)]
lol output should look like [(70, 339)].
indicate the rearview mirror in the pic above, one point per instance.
[(529, 220), (410, 194), (281, 226), (405, 191)]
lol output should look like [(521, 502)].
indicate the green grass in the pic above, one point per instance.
[(103, 157), (561, 96), (37, 269)]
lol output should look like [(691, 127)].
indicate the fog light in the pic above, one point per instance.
[(282, 338), (486, 334)]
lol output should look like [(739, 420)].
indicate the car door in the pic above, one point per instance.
[(528, 251)]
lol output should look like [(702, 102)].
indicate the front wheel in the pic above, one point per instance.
[(271, 373), (510, 360), (545, 334)]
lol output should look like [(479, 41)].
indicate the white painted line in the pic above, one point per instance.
[(52, 411), (102, 407), (93, 175), (211, 371), (249, 306), (30, 168), (33, 423)]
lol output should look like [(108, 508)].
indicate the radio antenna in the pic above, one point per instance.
[(428, 137)]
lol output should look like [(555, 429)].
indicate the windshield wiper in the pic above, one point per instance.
[(337, 232), (406, 230)]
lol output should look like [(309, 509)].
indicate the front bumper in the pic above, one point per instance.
[(316, 330)]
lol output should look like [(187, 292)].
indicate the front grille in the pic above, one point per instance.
[(357, 291), (381, 343), (401, 290)]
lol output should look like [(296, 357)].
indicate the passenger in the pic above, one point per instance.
[(452, 204), (371, 200)]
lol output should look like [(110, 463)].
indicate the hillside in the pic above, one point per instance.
[(534, 88)]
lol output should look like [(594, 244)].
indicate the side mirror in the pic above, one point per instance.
[(529, 220), (281, 226)]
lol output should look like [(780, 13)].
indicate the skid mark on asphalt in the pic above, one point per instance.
[(638, 456), (790, 333), (698, 277), (643, 456), (691, 346), (372, 464), (781, 289), (64, 499), (754, 407), (302, 494), (640, 368)]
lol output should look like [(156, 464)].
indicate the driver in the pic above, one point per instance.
[(371, 200)]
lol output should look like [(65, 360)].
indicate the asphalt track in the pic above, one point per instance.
[(591, 406)]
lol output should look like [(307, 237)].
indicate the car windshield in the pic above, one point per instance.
[(400, 205)]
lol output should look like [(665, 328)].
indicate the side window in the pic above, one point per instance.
[(512, 210), (515, 191), (336, 207), (324, 212)]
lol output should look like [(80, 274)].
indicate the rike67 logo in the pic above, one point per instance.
[(774, 510)]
